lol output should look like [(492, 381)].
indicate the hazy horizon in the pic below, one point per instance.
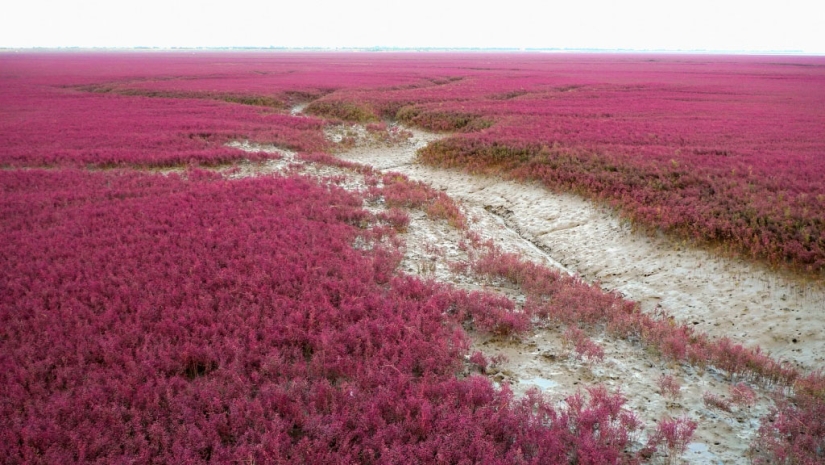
[(702, 26), (416, 49)]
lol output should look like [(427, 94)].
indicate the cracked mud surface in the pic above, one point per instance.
[(724, 297), (720, 296)]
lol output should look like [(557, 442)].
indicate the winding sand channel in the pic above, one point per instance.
[(720, 296)]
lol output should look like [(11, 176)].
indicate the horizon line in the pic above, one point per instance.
[(792, 52)]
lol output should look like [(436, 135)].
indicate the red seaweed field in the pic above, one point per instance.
[(155, 308), (723, 150), (150, 318)]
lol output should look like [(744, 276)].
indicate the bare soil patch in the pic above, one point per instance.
[(720, 296)]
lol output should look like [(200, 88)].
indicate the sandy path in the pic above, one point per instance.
[(539, 359), (722, 297)]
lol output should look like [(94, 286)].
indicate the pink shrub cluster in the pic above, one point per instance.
[(582, 345), (795, 430), (148, 318), (44, 122), (442, 120), (669, 387), (342, 110), (400, 191), (398, 218), (673, 435), (479, 360), (595, 422), (48, 126), (742, 394), (712, 400)]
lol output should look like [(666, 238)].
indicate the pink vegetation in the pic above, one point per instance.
[(47, 119), (180, 319), (146, 318), (723, 150)]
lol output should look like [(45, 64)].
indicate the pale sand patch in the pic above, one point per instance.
[(539, 360), (720, 296)]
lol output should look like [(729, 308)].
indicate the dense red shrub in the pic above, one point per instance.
[(397, 190), (45, 120), (400, 191), (52, 126), (717, 149), (479, 360), (794, 432), (146, 318), (398, 218), (673, 435), (742, 394), (715, 155)]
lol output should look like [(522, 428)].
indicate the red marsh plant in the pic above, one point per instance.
[(723, 151), (197, 319), (581, 345), (669, 387)]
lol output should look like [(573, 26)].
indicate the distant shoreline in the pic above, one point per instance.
[(417, 49)]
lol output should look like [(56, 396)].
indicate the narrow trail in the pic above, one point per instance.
[(720, 296), (539, 359)]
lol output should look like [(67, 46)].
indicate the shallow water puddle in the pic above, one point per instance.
[(699, 453), (541, 383)]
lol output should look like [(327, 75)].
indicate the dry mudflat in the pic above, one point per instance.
[(720, 296)]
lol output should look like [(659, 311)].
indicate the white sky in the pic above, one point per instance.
[(717, 25)]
